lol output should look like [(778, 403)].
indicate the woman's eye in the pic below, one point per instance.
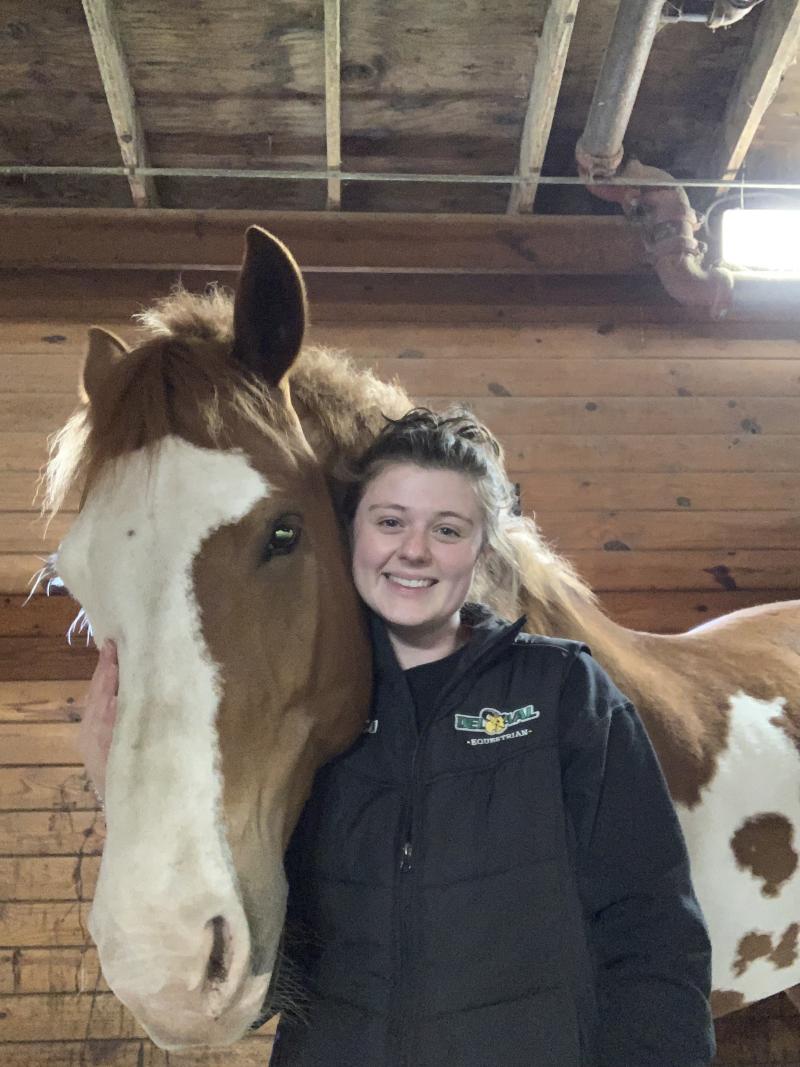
[(389, 524), (448, 531), (284, 538)]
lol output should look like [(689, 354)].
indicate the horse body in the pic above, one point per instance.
[(242, 673), (720, 704)]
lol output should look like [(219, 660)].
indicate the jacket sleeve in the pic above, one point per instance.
[(647, 937)]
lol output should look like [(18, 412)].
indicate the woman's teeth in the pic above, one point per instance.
[(411, 583)]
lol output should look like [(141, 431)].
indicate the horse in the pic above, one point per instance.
[(208, 545)]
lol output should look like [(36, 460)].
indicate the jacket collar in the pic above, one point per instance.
[(489, 637)]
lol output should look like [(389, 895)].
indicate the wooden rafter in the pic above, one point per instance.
[(333, 109), (107, 45), (774, 48), (548, 71), (378, 243)]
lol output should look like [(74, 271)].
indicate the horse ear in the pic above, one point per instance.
[(269, 315), (105, 351)]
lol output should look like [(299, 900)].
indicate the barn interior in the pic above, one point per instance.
[(518, 206)]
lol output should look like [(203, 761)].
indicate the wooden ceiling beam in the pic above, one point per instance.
[(107, 44), (114, 239), (333, 104), (774, 48), (548, 71)]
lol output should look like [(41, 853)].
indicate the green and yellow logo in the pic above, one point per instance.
[(493, 722)]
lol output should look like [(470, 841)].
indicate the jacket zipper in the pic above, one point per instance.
[(405, 984), (404, 1018), (406, 997)]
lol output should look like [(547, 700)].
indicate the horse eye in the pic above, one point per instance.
[(284, 538)]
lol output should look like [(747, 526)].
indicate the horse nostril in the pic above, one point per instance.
[(217, 969)]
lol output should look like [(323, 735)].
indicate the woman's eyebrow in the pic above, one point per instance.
[(455, 515), (438, 515)]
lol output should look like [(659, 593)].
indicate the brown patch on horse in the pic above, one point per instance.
[(785, 952), (763, 846), (751, 947), (724, 1001), (755, 946)]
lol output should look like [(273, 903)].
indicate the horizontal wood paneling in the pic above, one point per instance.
[(742, 451), (249, 1052), (43, 413), (61, 786), (41, 701), (50, 878), (322, 240), (52, 656), (41, 924), (51, 742), (493, 374), (19, 530), (82, 295), (50, 970), (70, 1017), (412, 339), (677, 611), (23, 616), (50, 833)]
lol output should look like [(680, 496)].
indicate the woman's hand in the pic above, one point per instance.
[(99, 715)]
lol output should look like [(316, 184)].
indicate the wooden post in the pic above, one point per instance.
[(548, 71), (121, 101), (774, 48), (333, 108)]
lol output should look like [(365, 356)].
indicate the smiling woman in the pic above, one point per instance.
[(497, 767)]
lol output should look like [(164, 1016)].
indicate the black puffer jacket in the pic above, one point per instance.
[(508, 888)]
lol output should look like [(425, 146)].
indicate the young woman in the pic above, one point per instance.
[(493, 875)]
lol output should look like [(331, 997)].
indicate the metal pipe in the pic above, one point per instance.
[(726, 12), (21, 170), (599, 150)]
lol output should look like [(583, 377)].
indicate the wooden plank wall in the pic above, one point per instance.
[(659, 453)]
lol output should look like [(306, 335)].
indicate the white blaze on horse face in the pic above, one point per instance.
[(756, 774), (166, 869)]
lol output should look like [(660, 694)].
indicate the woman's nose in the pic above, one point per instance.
[(415, 546)]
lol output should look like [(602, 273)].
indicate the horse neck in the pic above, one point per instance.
[(639, 663), (570, 614)]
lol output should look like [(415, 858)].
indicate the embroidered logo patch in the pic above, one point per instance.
[(495, 724)]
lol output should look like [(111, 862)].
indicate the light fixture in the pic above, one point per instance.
[(762, 239)]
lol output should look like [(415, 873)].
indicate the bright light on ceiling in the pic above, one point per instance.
[(762, 239)]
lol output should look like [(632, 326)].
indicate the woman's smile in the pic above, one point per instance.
[(410, 583)]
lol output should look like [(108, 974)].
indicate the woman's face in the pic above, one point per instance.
[(417, 535)]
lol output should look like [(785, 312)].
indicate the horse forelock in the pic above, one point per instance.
[(180, 380), (183, 315)]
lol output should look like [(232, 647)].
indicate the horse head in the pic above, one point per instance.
[(208, 548)]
